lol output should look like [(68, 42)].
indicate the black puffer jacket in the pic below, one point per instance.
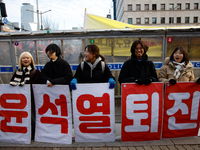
[(132, 69), (57, 72), (94, 76)]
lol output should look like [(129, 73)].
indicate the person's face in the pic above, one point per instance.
[(139, 51), (52, 55), (178, 56), (26, 60), (89, 56)]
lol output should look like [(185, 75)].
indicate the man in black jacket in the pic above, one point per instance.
[(138, 69)]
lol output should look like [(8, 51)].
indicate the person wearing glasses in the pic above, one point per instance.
[(57, 70), (138, 69)]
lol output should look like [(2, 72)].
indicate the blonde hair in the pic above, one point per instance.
[(20, 59)]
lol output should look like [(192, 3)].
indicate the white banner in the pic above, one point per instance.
[(53, 114), (94, 113), (15, 114)]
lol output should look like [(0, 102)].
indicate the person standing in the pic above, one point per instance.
[(57, 70), (177, 68), (138, 69), (27, 74), (93, 69)]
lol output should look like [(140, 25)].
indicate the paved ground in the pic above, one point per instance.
[(189, 143)]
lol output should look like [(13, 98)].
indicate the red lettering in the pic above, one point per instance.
[(94, 101), (93, 127), (20, 97), (51, 120), (18, 115)]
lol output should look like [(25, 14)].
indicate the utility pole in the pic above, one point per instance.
[(38, 24), (40, 16)]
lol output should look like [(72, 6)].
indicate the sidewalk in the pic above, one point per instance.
[(189, 143)]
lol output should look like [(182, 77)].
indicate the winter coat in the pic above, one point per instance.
[(132, 69), (93, 73), (167, 72), (57, 72), (34, 77)]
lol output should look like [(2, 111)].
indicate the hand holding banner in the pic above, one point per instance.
[(141, 112), (181, 110), (53, 114), (15, 114), (94, 116)]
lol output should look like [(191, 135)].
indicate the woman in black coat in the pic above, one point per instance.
[(57, 70), (138, 69), (93, 69)]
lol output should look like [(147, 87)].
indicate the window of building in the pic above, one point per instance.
[(195, 19), (138, 7), (129, 7), (162, 6), (187, 20), (171, 6), (146, 20), (171, 19), (130, 21), (162, 20), (138, 20), (196, 6), (154, 20), (146, 6), (187, 6), (178, 6), (154, 7), (178, 20)]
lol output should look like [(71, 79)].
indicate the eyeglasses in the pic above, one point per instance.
[(138, 48), (86, 52)]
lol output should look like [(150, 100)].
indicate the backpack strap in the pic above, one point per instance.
[(102, 65), (82, 65)]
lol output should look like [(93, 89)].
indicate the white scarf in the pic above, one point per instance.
[(92, 66), (179, 67)]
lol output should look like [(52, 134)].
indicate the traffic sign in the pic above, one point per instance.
[(5, 20)]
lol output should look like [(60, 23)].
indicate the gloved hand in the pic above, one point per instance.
[(112, 83), (147, 81), (198, 81), (73, 84), (139, 81), (172, 81)]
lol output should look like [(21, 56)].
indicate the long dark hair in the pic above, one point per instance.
[(95, 50), (144, 46), (183, 51)]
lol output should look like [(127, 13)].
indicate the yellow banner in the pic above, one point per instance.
[(98, 22), (122, 46)]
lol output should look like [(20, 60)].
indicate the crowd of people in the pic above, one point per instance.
[(138, 69)]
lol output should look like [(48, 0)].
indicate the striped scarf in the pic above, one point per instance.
[(19, 75)]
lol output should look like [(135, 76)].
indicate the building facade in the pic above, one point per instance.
[(27, 16), (158, 12)]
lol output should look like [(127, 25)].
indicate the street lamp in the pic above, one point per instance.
[(40, 15)]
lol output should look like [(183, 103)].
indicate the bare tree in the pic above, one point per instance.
[(48, 24)]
